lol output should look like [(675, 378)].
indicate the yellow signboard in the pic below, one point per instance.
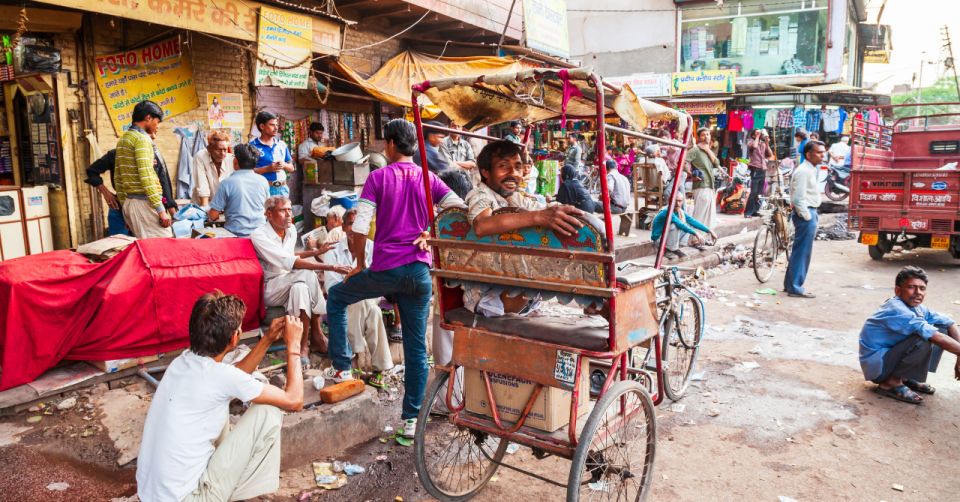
[(229, 18), (702, 107), (283, 44), (225, 110), (157, 72), (703, 82)]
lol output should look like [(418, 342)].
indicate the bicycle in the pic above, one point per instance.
[(681, 325), (773, 238)]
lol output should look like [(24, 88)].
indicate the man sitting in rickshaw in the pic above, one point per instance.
[(501, 173)]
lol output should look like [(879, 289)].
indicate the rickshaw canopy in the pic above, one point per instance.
[(538, 94)]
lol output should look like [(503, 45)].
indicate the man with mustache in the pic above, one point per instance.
[(501, 173), (904, 340)]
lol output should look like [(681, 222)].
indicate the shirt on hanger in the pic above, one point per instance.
[(721, 121), (799, 117), (760, 118), (735, 121), (845, 122), (771, 120), (785, 118), (831, 120), (748, 120), (813, 120)]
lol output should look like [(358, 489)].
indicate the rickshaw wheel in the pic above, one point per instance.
[(614, 458), (681, 345), (453, 463)]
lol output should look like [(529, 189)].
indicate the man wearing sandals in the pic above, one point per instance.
[(904, 340)]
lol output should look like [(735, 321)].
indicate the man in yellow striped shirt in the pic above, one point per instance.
[(138, 187)]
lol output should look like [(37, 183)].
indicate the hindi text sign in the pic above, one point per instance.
[(283, 49), (704, 82), (157, 72)]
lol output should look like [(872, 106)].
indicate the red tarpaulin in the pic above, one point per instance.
[(58, 305)]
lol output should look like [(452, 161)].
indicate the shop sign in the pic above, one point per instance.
[(702, 107), (225, 110), (703, 82), (283, 49), (229, 18), (545, 26), (645, 85), (158, 72)]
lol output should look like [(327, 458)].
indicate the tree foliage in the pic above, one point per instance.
[(943, 91)]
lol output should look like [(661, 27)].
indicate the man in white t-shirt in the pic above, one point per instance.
[(188, 451), (838, 151)]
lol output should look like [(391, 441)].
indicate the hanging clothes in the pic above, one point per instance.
[(799, 117), (721, 121), (831, 120), (747, 120), (759, 118), (771, 120), (185, 164), (735, 121), (785, 119), (813, 120), (845, 123)]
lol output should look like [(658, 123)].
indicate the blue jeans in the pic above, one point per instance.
[(115, 223), (806, 232), (412, 288)]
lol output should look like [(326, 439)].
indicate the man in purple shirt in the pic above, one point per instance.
[(401, 261)]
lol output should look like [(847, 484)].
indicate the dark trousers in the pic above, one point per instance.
[(806, 232), (911, 358), (757, 177)]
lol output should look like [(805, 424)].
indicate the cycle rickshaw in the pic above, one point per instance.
[(459, 448)]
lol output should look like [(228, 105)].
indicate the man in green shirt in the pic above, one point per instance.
[(703, 162), (138, 186)]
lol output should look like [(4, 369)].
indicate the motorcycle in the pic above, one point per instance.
[(837, 187)]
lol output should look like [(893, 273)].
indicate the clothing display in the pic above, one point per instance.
[(813, 120), (831, 120), (799, 117), (748, 120)]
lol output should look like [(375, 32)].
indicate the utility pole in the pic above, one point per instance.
[(949, 61)]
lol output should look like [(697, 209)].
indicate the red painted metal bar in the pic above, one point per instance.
[(496, 414), (415, 106), (671, 204), (614, 366), (451, 385), (526, 135), (575, 400), (526, 437)]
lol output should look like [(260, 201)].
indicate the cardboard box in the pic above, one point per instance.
[(550, 411)]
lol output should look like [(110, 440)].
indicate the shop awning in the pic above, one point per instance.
[(391, 83)]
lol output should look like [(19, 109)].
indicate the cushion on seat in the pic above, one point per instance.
[(573, 330)]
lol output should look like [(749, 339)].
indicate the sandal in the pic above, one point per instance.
[(377, 380), (921, 387), (900, 393)]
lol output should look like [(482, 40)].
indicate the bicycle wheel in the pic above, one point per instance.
[(453, 463), (681, 345), (765, 253), (615, 454)]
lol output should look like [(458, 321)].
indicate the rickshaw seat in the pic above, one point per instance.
[(581, 331)]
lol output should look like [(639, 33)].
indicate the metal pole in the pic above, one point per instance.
[(506, 25), (953, 63), (671, 201)]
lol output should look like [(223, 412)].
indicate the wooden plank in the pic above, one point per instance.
[(526, 283)]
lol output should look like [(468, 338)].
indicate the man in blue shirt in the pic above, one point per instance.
[(682, 226), (275, 160), (903, 340), (242, 194)]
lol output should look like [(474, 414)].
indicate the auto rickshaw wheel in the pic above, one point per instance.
[(615, 454), (453, 463)]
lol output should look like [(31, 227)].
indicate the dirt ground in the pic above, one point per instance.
[(802, 424), (799, 423)]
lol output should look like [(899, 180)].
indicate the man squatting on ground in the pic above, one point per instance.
[(401, 261), (189, 451), (903, 340), (289, 277)]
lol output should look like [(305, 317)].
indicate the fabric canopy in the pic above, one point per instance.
[(533, 95), (391, 83), (58, 305)]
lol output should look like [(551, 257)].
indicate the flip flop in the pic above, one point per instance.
[(900, 393), (921, 387)]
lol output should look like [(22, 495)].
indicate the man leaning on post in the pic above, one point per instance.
[(189, 451)]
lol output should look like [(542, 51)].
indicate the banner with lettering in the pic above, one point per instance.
[(158, 72), (225, 110), (283, 49), (704, 82), (702, 107)]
